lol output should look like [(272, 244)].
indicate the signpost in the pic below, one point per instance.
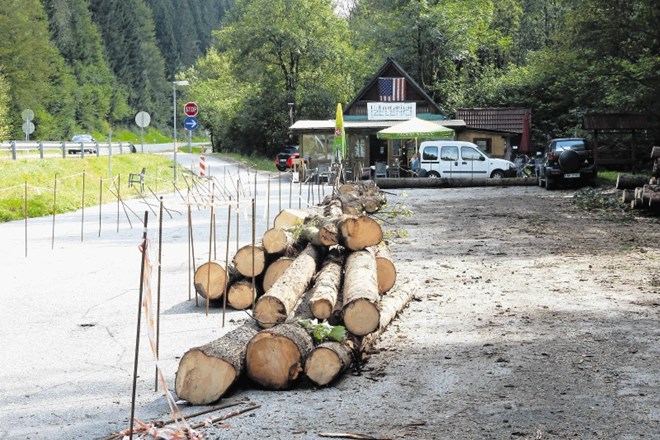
[(191, 122), (28, 127), (142, 119)]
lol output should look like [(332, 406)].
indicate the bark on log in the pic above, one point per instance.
[(243, 260), (630, 181), (241, 295), (326, 235), (329, 360), (275, 271), (205, 373), (290, 218), (627, 196), (361, 311), (277, 241), (274, 357), (211, 277), (357, 233), (325, 292), (385, 268), (277, 304)]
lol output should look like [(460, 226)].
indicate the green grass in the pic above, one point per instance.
[(61, 180)]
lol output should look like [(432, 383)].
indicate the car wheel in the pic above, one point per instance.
[(549, 183), (432, 175), (497, 174)]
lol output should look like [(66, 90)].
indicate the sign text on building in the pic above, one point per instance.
[(388, 111)]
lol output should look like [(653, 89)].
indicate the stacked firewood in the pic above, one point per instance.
[(639, 192), (327, 265)]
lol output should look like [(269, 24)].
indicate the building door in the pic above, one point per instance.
[(377, 150)]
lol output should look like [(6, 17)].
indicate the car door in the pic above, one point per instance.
[(473, 163), (449, 161)]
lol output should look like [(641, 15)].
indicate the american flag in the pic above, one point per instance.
[(392, 89)]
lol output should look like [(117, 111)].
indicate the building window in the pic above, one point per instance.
[(484, 144)]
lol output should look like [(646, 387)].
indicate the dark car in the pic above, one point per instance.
[(567, 161), (283, 158)]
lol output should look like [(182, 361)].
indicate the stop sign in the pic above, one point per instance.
[(190, 108)]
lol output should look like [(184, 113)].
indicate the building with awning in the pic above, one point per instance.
[(391, 97)]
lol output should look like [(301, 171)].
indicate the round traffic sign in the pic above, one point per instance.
[(27, 115), (28, 127), (190, 108), (142, 119)]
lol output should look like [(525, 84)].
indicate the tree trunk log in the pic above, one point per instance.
[(320, 236), (357, 233), (385, 268), (275, 357), (205, 373), (275, 271), (214, 282), (328, 361), (277, 241), (240, 295), (275, 306), (361, 311), (630, 181), (327, 283), (427, 182), (655, 153), (290, 218), (243, 260), (627, 196)]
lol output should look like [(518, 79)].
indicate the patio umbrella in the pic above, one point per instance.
[(415, 128), (340, 136)]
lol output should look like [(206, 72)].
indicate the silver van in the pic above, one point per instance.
[(461, 160)]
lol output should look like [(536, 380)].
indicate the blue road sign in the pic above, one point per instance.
[(190, 123)]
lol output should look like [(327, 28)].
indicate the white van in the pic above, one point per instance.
[(462, 160)]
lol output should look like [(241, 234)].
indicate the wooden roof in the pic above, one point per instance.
[(510, 120)]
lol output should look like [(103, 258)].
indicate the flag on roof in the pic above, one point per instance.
[(392, 89)]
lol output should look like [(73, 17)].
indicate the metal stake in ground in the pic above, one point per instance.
[(82, 210), (224, 297), (238, 212), (191, 255), (52, 236), (100, 203), (144, 250), (208, 274), (25, 215), (254, 246), (118, 199), (160, 264), (268, 202)]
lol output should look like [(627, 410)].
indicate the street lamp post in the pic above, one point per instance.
[(174, 84)]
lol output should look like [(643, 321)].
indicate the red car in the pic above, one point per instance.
[(283, 158)]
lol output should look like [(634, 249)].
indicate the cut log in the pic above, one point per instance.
[(205, 373), (243, 260), (357, 233), (274, 357), (360, 292), (275, 271), (330, 359), (290, 218), (275, 306), (325, 292), (241, 295), (326, 235), (385, 268), (211, 277), (277, 241), (627, 196), (630, 181)]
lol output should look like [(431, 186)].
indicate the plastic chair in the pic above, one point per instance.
[(322, 172), (380, 170)]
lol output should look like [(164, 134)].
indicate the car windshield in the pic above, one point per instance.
[(571, 144), (82, 138)]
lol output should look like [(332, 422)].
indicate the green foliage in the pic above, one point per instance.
[(323, 331), (591, 199), (4, 107)]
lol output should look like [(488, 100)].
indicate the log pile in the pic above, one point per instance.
[(640, 192), (327, 266)]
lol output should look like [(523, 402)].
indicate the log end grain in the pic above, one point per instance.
[(201, 379), (276, 241), (361, 317), (243, 260), (241, 295), (357, 233), (275, 271), (321, 308), (326, 362), (269, 311), (210, 280)]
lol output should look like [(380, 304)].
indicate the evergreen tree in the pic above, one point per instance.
[(4, 108)]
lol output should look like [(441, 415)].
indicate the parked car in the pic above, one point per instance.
[(462, 160), (567, 160), (83, 139), (283, 158)]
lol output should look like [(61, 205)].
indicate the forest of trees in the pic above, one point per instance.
[(87, 65)]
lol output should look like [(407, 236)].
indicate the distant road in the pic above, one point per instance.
[(161, 148)]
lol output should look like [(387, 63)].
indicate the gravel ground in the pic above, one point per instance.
[(532, 319)]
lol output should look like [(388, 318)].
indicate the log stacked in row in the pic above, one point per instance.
[(641, 192), (330, 264)]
